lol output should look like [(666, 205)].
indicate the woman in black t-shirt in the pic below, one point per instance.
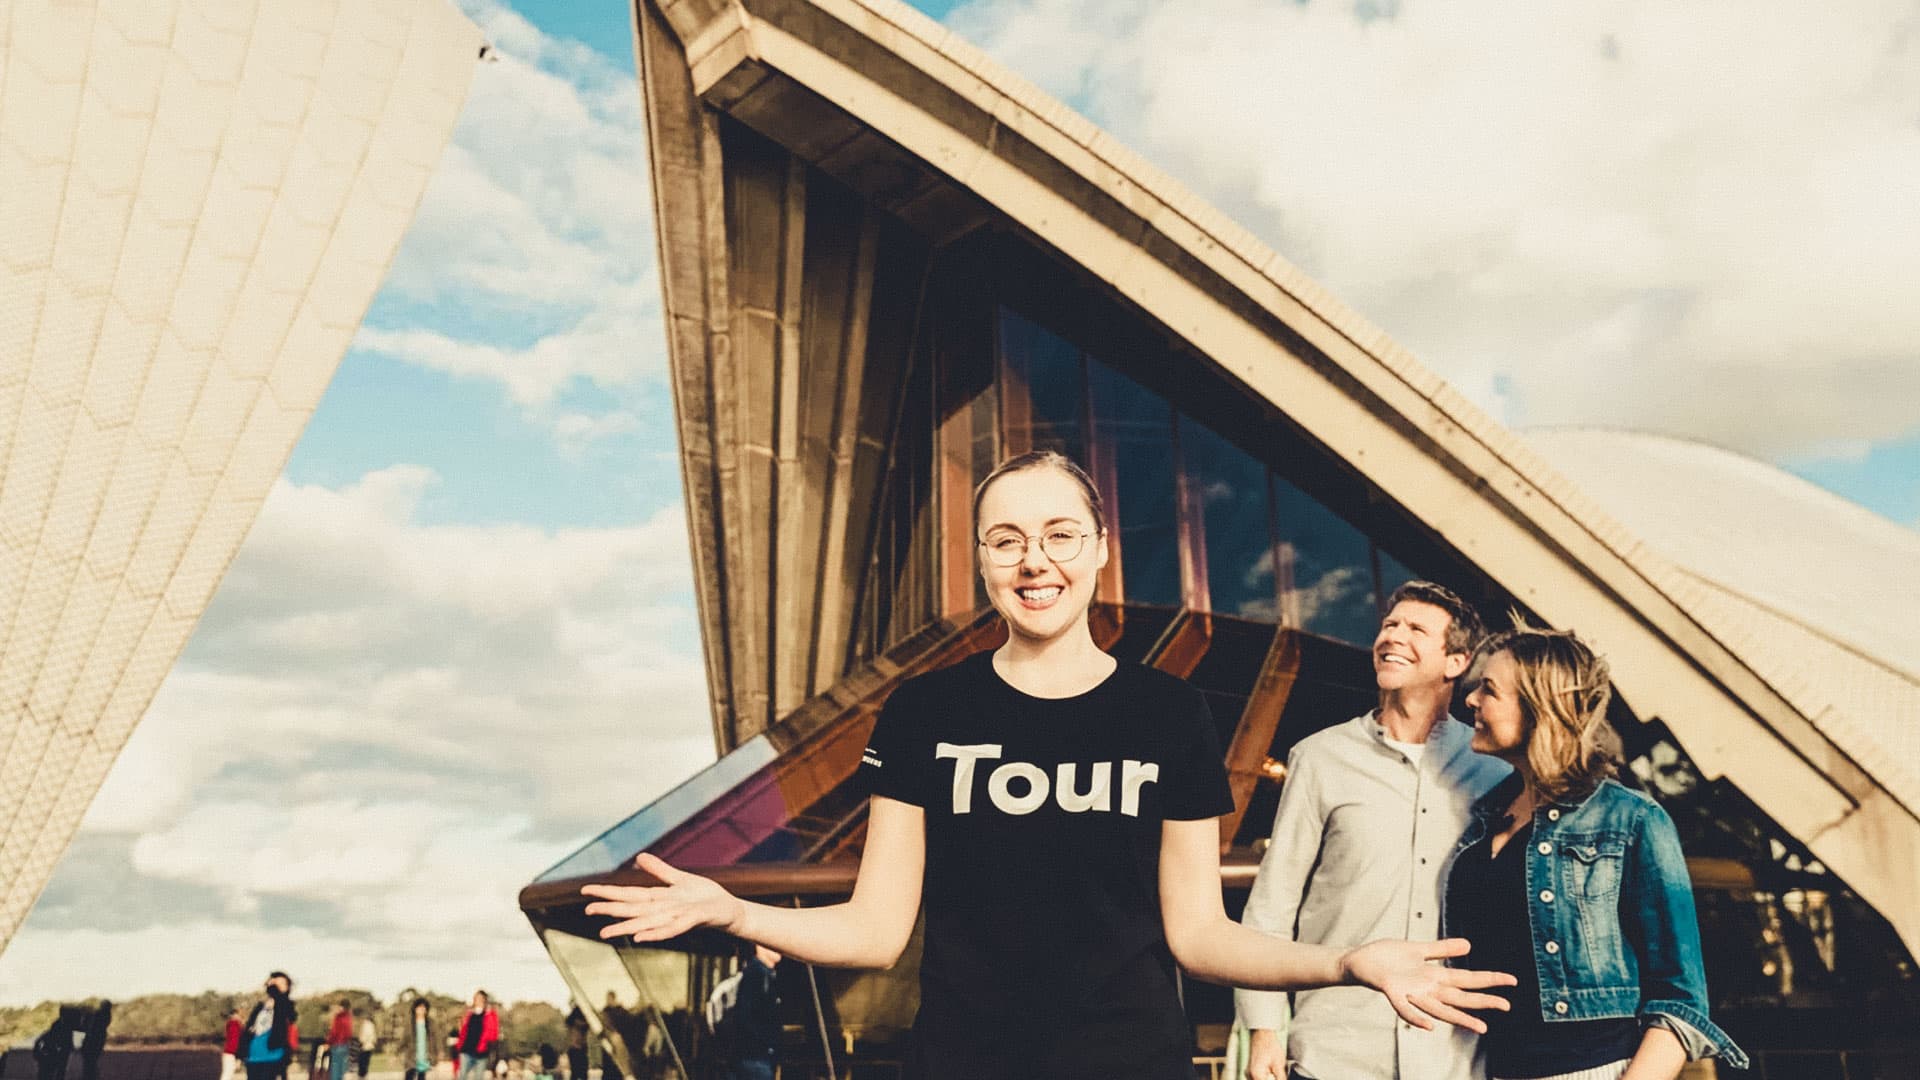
[(1057, 811)]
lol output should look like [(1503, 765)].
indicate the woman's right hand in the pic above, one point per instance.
[(1420, 989), (681, 902)]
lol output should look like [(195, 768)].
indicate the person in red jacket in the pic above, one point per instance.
[(340, 1041), (479, 1030), (230, 1046)]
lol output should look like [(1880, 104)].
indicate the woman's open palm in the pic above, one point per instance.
[(681, 902)]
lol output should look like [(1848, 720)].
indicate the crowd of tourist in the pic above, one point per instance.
[(262, 1041)]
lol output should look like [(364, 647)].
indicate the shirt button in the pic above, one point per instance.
[(1553, 815), (1544, 848), (1553, 947), (1560, 1007), (1546, 896)]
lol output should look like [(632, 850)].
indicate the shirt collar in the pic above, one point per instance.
[(1444, 735)]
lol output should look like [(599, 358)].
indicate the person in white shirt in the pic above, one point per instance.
[(1369, 813)]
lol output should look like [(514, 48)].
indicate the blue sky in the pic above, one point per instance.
[(423, 680)]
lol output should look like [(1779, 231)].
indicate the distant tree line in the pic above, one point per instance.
[(173, 1019)]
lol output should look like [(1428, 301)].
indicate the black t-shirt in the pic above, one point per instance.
[(1489, 894), (1043, 951)]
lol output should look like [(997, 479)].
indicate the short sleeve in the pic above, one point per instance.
[(895, 761), (1198, 786)]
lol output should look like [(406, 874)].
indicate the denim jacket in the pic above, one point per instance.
[(1611, 910)]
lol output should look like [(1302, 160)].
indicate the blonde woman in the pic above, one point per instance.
[(1574, 883)]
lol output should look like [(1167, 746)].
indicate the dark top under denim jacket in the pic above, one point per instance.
[(1611, 908)]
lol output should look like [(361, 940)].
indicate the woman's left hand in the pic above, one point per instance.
[(1419, 989)]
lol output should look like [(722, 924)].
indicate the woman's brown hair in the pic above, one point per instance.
[(1046, 459)]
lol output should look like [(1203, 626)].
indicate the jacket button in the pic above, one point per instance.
[(1546, 896), (1553, 947), (1544, 848), (1560, 1007), (1553, 815)]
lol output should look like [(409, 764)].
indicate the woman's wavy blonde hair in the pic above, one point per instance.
[(1563, 689)]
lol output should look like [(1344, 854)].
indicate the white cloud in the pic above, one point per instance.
[(619, 344), (1692, 218), (399, 724), (346, 622), (539, 220)]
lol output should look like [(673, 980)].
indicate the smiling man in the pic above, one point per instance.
[(1369, 813)]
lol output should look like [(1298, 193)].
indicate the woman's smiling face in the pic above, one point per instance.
[(1039, 508), (1500, 725)]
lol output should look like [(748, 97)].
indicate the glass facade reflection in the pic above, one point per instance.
[(1228, 489), (1044, 385), (1198, 520), (1139, 481), (1326, 569)]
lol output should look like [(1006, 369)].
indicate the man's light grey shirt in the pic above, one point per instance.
[(1359, 843)]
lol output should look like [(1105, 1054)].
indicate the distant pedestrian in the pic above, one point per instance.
[(272, 1032), (609, 1065), (93, 1040), (549, 1062), (230, 1046), (420, 1061), (368, 1040), (340, 1041), (750, 1029), (52, 1049), (478, 1033), (577, 1032)]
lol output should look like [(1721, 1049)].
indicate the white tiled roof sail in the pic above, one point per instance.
[(198, 199), (1796, 576)]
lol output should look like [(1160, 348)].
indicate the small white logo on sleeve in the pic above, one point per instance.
[(868, 757), (1036, 785)]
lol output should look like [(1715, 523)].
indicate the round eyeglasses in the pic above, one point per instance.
[(1058, 544)]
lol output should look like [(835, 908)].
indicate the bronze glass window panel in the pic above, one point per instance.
[(1140, 629), (1133, 437), (1393, 574), (1327, 566), (1230, 488), (912, 583), (1227, 673), (969, 448), (1043, 389), (1332, 683), (1246, 754)]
